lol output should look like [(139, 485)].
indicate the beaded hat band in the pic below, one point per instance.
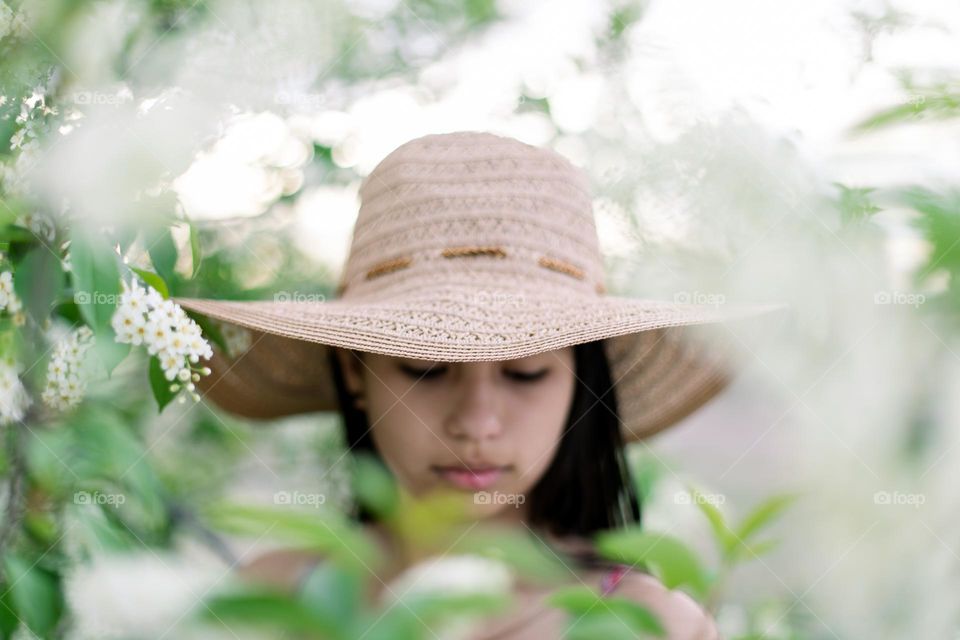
[(470, 246)]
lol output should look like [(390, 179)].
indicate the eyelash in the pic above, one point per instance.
[(433, 372)]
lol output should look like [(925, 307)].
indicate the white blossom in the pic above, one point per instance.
[(144, 317), (67, 371), (461, 574), (144, 595), (14, 400), (455, 575), (9, 300)]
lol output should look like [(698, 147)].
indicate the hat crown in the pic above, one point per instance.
[(473, 206)]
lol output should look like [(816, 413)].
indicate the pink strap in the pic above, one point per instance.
[(611, 579)]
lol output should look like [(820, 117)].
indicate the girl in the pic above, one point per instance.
[(472, 347)]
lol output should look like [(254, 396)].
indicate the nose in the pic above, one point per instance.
[(476, 412)]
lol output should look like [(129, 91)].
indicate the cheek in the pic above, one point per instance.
[(401, 434), (536, 439), (539, 431)]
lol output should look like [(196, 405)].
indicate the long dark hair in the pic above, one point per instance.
[(587, 488)]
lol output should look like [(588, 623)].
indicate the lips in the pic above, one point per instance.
[(472, 478)]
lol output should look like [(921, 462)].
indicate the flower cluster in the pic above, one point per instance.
[(66, 375), (144, 317), (9, 301), (14, 399)]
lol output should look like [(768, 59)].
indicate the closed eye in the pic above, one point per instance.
[(527, 376), (435, 372), (422, 374)]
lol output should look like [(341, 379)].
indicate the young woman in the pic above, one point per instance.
[(472, 347)]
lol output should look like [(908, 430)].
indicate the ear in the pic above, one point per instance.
[(352, 368)]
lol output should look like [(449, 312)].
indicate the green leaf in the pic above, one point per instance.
[(34, 592), (855, 204), (374, 486), (527, 555), (270, 610), (673, 562), (41, 527), (96, 279), (940, 223), (438, 606), (8, 617), (153, 280), (615, 626), (163, 252), (7, 216), (756, 550), (583, 602), (160, 385), (195, 250), (333, 593), (109, 352), (14, 233), (935, 103), (763, 515), (93, 533), (324, 530), (724, 536), (95, 450), (38, 282), (577, 599), (645, 472)]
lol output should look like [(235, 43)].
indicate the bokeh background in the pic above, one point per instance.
[(740, 151)]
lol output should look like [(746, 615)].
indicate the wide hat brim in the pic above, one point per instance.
[(663, 361)]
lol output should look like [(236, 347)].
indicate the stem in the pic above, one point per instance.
[(181, 514), (713, 598)]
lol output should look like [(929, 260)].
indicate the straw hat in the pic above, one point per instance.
[(468, 247)]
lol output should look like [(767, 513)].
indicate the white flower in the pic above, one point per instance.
[(16, 140), (145, 595), (158, 333), (6, 286), (68, 370), (143, 316), (457, 575), (14, 400), (9, 301), (466, 574)]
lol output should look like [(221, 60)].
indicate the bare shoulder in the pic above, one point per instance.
[(280, 568), (681, 616)]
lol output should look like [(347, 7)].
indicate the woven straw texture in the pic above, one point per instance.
[(471, 246)]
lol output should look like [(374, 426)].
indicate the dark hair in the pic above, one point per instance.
[(588, 486)]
